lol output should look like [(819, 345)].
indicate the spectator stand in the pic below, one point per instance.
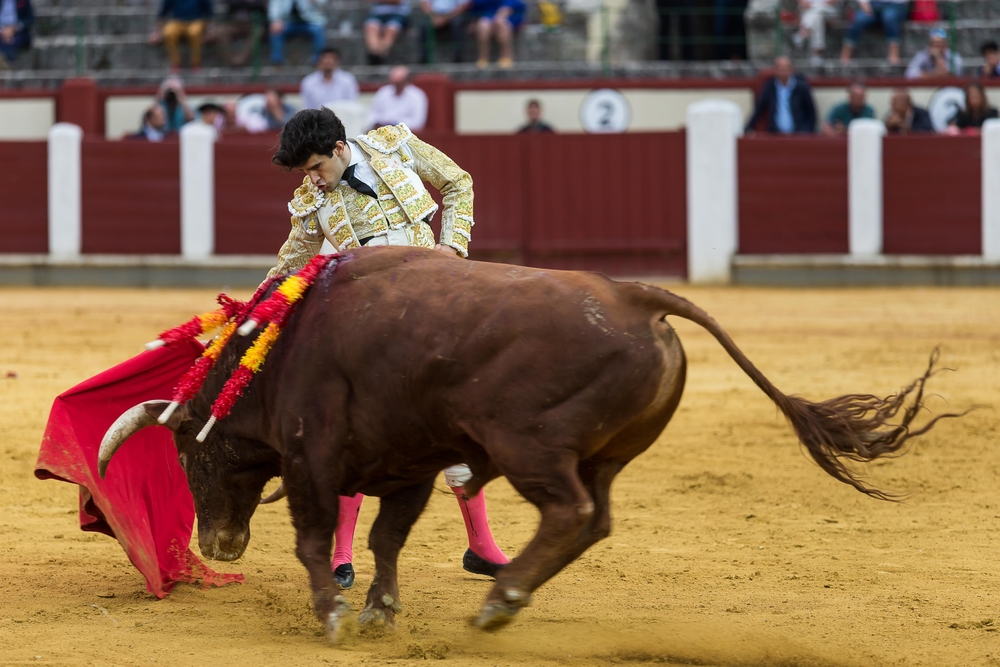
[(770, 25)]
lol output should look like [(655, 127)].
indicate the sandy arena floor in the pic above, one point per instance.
[(729, 546)]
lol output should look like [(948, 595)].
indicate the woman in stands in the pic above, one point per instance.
[(977, 110)]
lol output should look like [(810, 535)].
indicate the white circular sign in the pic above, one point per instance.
[(944, 104), (605, 111)]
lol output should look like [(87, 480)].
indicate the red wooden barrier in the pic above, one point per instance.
[(932, 199), (24, 197), (251, 197), (614, 204), (792, 195), (131, 197)]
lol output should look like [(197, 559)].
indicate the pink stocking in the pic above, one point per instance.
[(478, 526), (343, 550)]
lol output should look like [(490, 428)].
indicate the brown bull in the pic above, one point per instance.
[(402, 361)]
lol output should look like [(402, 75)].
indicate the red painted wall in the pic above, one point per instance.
[(131, 197), (932, 201), (793, 195), (251, 197), (24, 197)]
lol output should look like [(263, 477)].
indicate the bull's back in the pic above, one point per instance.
[(488, 341)]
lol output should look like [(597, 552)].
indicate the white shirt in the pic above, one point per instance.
[(362, 170), (388, 108), (317, 91)]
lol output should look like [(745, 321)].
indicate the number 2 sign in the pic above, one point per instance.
[(605, 110)]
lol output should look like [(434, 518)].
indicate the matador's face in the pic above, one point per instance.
[(326, 171)]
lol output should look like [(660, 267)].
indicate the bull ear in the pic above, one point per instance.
[(128, 424)]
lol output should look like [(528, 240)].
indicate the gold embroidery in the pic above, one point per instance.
[(387, 139)]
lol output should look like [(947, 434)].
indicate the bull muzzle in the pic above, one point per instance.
[(223, 544), (128, 424)]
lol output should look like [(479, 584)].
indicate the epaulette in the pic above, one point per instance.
[(386, 139), (307, 198)]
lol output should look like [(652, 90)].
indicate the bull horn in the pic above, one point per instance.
[(278, 494), (132, 420)]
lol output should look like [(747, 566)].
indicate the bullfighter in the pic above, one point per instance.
[(369, 191)]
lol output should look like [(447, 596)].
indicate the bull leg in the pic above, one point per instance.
[(397, 513), (597, 479), (554, 486), (314, 516)]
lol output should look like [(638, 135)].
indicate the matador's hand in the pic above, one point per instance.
[(447, 249)]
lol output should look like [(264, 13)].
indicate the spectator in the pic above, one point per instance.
[(399, 101), (936, 60), (239, 24), (904, 117), (154, 125), (174, 102), (787, 102), (296, 17), (213, 115), (446, 20), (991, 59), (729, 30), (812, 26), (535, 124), (892, 14), (16, 18), (387, 19), (841, 115), (328, 83), (977, 110), (183, 19), (498, 19)]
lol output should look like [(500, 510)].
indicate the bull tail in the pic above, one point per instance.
[(850, 428)]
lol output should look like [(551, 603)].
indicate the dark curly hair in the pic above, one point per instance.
[(309, 131)]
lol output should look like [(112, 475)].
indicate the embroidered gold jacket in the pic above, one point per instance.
[(401, 162)]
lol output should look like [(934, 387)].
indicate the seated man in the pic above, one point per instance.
[(399, 101), (328, 83), (786, 101), (184, 19), (296, 17), (445, 23), (904, 117), (387, 19), (892, 13), (935, 60), (369, 191), (154, 125), (535, 124), (841, 115), (16, 18), (497, 19)]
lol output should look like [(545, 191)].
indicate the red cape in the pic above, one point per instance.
[(144, 501)]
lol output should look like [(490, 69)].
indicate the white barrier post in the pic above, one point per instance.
[(991, 190), (197, 190), (864, 186), (713, 227), (65, 237)]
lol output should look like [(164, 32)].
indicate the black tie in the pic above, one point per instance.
[(357, 183)]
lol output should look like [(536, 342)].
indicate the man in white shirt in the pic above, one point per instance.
[(328, 83), (399, 101)]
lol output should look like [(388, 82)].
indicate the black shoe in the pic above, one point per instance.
[(472, 562), (344, 575)]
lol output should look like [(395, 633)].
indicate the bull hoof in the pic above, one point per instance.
[(494, 616), (340, 623)]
